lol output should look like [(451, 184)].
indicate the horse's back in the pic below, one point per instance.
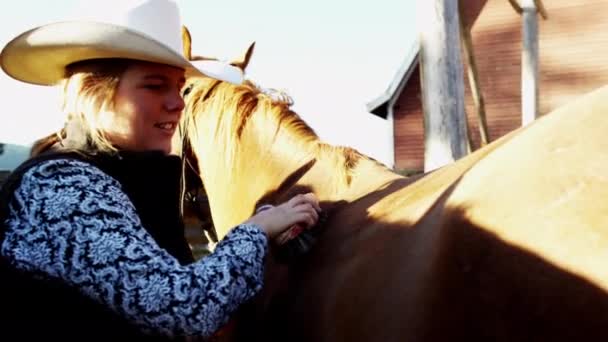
[(546, 190), (524, 233), (507, 244)]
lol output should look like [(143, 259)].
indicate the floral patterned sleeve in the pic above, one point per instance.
[(69, 220)]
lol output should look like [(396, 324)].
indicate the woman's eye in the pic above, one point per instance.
[(154, 86)]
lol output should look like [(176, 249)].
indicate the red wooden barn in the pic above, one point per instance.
[(573, 60)]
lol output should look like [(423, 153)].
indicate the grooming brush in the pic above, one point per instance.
[(296, 240)]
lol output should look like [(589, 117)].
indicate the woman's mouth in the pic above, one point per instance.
[(168, 127)]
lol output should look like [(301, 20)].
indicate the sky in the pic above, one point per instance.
[(331, 56)]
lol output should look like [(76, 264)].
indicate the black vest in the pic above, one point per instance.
[(31, 308)]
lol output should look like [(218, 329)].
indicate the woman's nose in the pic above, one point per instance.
[(175, 102)]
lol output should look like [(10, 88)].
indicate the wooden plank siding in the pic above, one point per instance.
[(408, 127), (573, 46)]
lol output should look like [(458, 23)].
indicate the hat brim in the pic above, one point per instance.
[(39, 56)]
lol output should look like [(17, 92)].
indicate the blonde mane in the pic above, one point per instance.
[(235, 106)]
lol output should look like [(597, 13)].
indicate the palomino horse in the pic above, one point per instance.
[(507, 244)]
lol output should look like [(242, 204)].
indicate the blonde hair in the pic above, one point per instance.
[(88, 90)]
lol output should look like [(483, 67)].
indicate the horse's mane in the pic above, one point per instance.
[(237, 104), (241, 101)]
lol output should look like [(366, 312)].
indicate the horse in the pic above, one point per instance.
[(508, 243)]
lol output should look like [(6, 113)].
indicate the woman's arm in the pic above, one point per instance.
[(70, 220)]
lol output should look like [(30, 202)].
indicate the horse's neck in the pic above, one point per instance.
[(333, 179), (260, 168)]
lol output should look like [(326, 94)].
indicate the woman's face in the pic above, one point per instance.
[(147, 108)]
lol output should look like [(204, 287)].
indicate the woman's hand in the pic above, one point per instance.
[(301, 209)]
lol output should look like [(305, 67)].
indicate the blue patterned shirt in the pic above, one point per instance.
[(69, 220)]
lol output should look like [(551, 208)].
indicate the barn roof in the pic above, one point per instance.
[(379, 106)]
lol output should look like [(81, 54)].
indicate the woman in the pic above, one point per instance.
[(91, 223)]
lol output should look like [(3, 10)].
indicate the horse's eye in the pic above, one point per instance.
[(187, 90)]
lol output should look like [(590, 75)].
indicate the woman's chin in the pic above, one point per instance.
[(165, 148)]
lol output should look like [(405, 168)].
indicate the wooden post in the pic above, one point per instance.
[(529, 63), (473, 77), (442, 83)]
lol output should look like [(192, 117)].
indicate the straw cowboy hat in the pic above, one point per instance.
[(148, 30)]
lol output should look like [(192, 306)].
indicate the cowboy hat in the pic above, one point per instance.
[(147, 30)]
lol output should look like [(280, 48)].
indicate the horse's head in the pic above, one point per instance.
[(249, 146), (237, 139)]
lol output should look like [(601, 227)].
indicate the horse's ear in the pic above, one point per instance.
[(187, 43), (244, 61)]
